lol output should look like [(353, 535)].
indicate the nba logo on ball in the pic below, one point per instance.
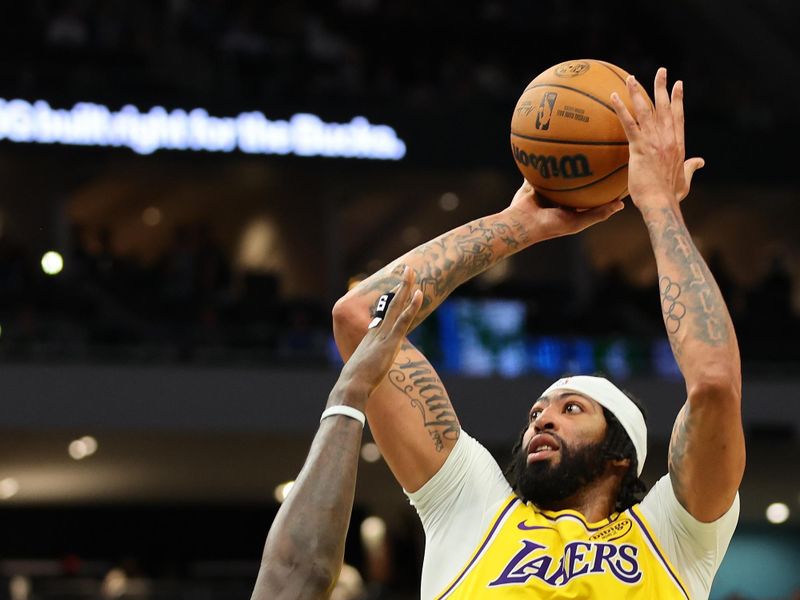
[(546, 111), (574, 151), (571, 69)]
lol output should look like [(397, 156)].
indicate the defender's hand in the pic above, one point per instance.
[(545, 220), (657, 171), (374, 355)]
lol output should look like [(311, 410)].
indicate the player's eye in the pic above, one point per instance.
[(573, 408), (535, 414)]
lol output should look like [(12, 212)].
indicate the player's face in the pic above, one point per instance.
[(562, 449), (563, 419)]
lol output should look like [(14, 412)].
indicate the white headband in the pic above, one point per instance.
[(608, 395)]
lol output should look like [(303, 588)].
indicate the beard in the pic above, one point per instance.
[(546, 484)]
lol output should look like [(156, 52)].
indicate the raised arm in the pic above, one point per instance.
[(410, 415), (305, 545), (707, 452)]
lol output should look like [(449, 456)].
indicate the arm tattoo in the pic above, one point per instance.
[(678, 443), (674, 310), (443, 264), (420, 384), (689, 291)]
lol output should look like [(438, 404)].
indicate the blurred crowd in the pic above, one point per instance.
[(189, 305), (384, 54), (381, 53), (193, 304)]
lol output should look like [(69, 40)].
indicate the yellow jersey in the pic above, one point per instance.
[(481, 541), (531, 553)]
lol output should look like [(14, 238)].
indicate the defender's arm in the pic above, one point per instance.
[(305, 546)]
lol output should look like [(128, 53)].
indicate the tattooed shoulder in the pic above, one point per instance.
[(678, 450)]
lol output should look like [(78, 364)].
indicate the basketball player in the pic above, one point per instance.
[(573, 522), (305, 545)]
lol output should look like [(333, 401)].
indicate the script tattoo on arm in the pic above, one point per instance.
[(691, 303), (446, 262), (418, 381)]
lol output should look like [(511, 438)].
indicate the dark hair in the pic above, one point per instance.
[(616, 445)]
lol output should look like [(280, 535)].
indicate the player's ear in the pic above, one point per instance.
[(621, 463)]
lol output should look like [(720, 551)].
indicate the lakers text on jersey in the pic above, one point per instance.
[(530, 553)]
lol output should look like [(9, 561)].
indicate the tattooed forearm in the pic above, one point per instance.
[(446, 262), (674, 310), (688, 290), (419, 382)]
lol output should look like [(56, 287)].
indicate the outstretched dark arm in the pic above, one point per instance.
[(304, 550), (305, 545)]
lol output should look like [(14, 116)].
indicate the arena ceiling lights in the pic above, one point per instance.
[(89, 124)]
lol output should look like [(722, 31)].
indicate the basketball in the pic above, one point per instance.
[(566, 138)]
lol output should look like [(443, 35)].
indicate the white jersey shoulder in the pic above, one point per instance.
[(694, 548), (456, 506)]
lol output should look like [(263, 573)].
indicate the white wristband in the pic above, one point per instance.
[(347, 411)]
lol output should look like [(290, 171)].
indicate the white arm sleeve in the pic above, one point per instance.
[(456, 506), (694, 548)]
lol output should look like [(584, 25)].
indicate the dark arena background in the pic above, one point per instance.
[(180, 211)]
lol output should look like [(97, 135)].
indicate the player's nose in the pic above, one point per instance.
[(545, 420)]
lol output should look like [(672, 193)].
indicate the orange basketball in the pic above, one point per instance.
[(566, 137)]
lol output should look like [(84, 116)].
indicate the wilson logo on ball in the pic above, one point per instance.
[(546, 111), (567, 167)]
